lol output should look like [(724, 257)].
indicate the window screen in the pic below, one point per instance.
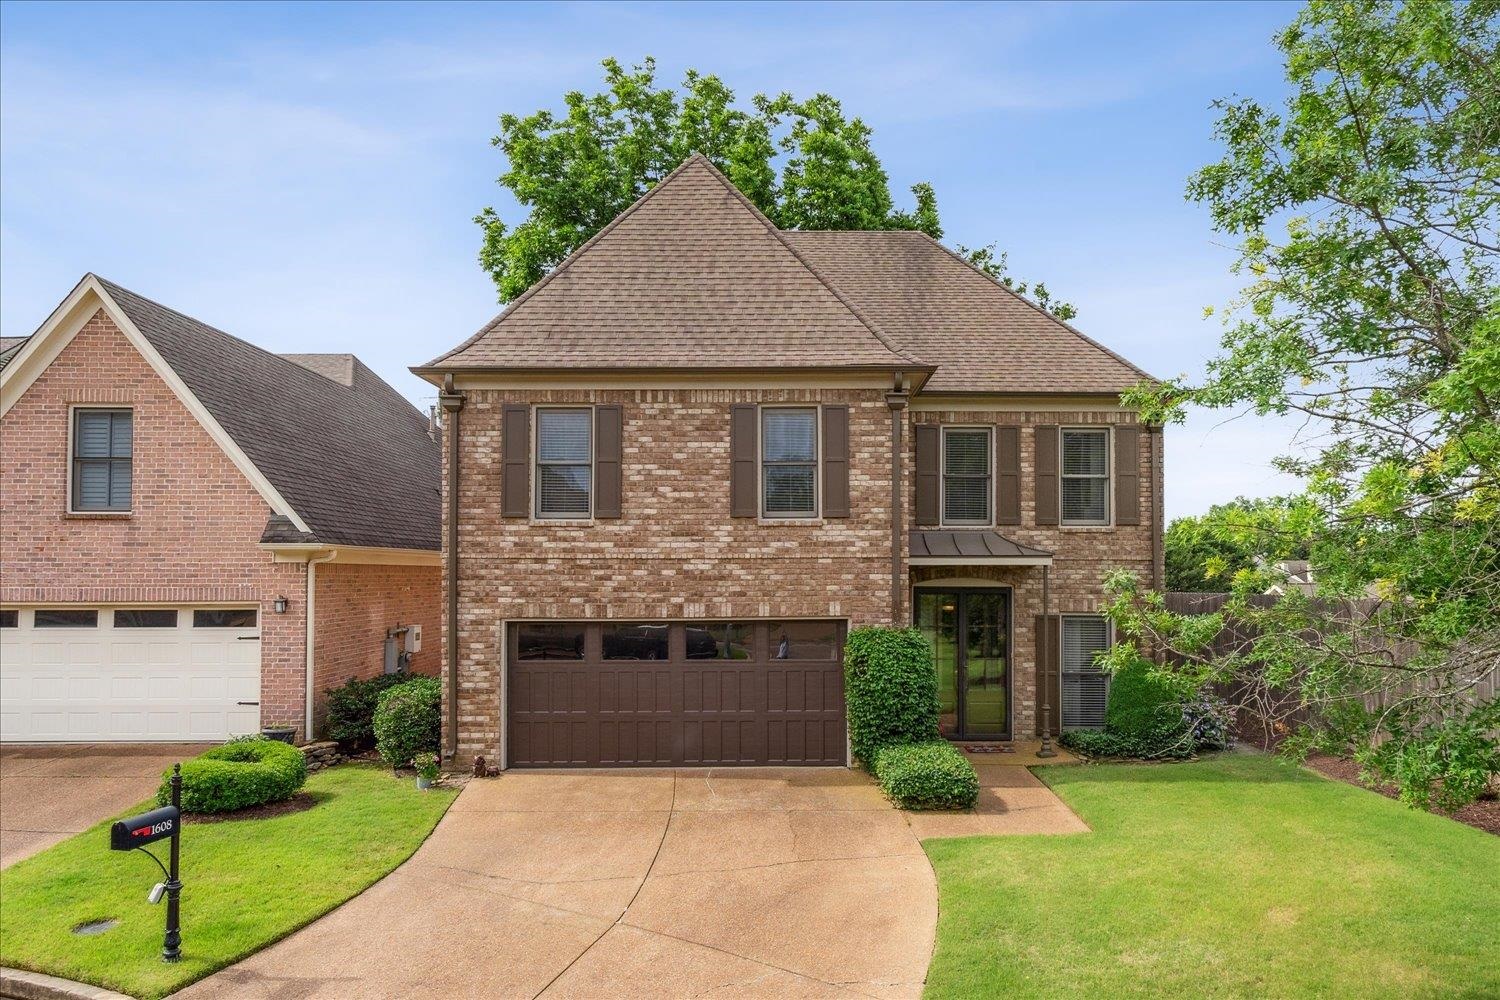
[(789, 462), (564, 462), (1085, 477), (101, 460), (966, 476), (1085, 688)]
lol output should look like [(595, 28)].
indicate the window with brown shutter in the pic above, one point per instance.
[(743, 443), (1046, 474), (608, 434), (1084, 476), (1127, 474), (835, 461), (928, 438), (1007, 475), (789, 461), (515, 462)]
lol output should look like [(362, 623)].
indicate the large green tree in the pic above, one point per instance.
[(1205, 552), (1367, 214), (804, 163)]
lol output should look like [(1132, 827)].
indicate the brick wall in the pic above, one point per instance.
[(357, 603), (191, 536), (675, 552)]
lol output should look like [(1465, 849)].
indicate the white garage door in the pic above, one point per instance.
[(75, 675)]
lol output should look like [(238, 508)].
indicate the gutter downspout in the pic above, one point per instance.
[(896, 400), (1158, 515), (308, 686), (452, 401)]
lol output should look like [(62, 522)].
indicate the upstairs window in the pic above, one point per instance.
[(564, 462), (966, 475), (1085, 476), (101, 460), (789, 461)]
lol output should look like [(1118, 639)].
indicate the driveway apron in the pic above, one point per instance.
[(793, 882)]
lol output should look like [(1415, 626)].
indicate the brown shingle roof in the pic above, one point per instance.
[(355, 461), (982, 336), (690, 276)]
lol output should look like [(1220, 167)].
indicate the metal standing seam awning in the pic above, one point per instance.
[(974, 547)]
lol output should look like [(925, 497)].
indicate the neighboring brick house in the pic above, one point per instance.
[(198, 536), (693, 456)]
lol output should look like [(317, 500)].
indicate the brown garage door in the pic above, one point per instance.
[(632, 694)]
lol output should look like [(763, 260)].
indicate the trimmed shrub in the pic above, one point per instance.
[(890, 688), (408, 720), (240, 774), (930, 775), (1140, 701), (351, 708), (1169, 742)]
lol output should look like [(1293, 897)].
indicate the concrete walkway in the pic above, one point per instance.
[(49, 792)]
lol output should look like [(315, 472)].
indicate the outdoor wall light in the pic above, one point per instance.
[(280, 605)]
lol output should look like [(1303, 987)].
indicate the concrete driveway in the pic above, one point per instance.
[(49, 792), (792, 882)]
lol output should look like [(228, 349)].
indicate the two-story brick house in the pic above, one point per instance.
[(197, 536), (686, 462)]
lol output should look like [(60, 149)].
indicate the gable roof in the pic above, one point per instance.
[(690, 276), (9, 348), (983, 337)]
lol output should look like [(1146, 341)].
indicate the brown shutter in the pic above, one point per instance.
[(1127, 474), (608, 426), (515, 463), (1007, 475), (1048, 663), (742, 448), (835, 461), (1046, 474), (929, 438)]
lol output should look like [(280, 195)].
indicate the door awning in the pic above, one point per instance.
[(974, 547)]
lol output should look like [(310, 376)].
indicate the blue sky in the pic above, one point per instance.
[(304, 176)]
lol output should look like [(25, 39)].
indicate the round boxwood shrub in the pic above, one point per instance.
[(1140, 701), (890, 688), (238, 775), (351, 708), (932, 775), (408, 720)]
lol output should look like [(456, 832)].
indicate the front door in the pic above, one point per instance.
[(970, 635)]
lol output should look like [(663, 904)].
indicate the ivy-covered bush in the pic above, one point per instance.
[(930, 775), (408, 720), (351, 708), (890, 688), (242, 773)]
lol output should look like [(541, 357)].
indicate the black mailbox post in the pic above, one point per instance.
[(159, 824)]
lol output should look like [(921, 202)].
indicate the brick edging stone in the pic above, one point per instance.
[(17, 984)]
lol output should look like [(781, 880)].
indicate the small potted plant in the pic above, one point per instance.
[(427, 769), (283, 733)]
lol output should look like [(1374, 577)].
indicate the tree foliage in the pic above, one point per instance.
[(804, 163), (1366, 212), (1205, 551)]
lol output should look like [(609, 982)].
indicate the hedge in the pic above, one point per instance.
[(890, 688), (351, 708), (238, 775), (408, 720), (930, 775), (1144, 720)]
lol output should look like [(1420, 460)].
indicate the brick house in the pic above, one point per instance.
[(199, 536), (686, 462)]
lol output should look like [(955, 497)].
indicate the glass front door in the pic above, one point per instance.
[(970, 635)]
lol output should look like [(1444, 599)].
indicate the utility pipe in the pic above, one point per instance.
[(308, 686), (452, 401), (896, 400)]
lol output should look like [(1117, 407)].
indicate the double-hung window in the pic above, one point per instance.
[(101, 460), (1085, 688), (789, 461), (966, 475), (564, 462), (1085, 476)]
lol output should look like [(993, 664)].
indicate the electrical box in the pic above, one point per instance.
[(413, 639)]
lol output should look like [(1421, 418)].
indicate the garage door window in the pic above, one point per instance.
[(546, 641), (101, 460), (720, 640), (635, 642), (9, 618), (804, 640), (224, 618), (146, 618), (65, 618)]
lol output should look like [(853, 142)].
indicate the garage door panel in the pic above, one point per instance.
[(720, 697)]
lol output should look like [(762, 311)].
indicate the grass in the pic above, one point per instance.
[(246, 884), (1239, 876)]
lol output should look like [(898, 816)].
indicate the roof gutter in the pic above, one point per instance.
[(452, 402)]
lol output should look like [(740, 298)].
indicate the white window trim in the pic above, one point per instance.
[(72, 459), (760, 452), (1063, 672), (1109, 477), (536, 478), (989, 494)]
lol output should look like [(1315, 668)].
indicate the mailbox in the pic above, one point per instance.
[(147, 828)]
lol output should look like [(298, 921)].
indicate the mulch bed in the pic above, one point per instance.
[(299, 802), (1483, 814)]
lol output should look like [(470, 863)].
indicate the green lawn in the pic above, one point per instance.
[(1240, 876), (246, 884)]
